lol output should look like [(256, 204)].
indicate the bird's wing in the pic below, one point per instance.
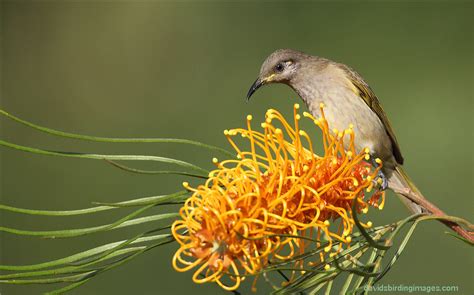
[(366, 93)]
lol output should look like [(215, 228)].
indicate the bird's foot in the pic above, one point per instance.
[(381, 181)]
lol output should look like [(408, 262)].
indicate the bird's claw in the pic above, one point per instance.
[(381, 181)]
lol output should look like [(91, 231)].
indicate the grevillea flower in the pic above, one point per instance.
[(277, 200)]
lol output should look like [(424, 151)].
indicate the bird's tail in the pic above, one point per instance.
[(406, 190), (411, 196)]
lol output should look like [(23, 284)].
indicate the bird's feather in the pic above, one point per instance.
[(365, 92)]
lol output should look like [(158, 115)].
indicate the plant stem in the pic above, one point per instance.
[(436, 212)]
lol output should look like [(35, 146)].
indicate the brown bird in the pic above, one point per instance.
[(348, 99)]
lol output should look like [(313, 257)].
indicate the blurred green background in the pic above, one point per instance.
[(163, 69)]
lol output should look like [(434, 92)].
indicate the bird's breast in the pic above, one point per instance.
[(344, 107)]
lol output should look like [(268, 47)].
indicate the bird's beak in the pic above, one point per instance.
[(257, 84)]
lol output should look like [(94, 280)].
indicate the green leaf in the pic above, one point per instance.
[(115, 140), (460, 238), (363, 231), (183, 164), (67, 269), (68, 287), (83, 264), (122, 222), (157, 200), (398, 252), (113, 265), (82, 255), (70, 278), (154, 172)]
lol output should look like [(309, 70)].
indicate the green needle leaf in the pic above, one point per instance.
[(459, 238), (114, 140), (363, 231), (82, 255), (153, 172), (122, 222), (113, 265), (157, 200), (183, 164), (70, 278)]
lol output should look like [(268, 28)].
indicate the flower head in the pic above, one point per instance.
[(275, 201)]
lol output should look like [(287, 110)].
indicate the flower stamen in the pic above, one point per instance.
[(274, 202)]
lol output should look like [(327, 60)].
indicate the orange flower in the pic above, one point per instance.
[(275, 201)]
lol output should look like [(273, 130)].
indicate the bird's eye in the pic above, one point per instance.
[(279, 67)]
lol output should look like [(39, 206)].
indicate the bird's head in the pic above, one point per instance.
[(279, 67)]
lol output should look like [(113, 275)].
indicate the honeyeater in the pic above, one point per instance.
[(348, 99)]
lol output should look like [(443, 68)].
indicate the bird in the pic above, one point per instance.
[(348, 100)]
